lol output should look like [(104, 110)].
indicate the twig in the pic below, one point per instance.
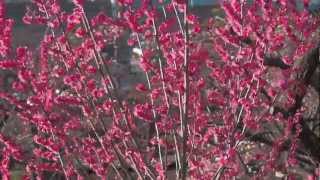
[(186, 94)]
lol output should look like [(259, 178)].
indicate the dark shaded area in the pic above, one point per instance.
[(16, 10), (275, 62)]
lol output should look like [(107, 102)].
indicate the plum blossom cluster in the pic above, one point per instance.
[(5, 33), (208, 106)]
